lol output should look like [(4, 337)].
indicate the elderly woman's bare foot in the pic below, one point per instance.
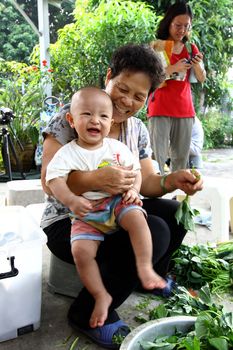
[(100, 312)]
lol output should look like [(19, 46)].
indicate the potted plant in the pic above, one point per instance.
[(24, 95)]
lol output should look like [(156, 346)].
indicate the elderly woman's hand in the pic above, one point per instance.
[(189, 181), (116, 179), (111, 179)]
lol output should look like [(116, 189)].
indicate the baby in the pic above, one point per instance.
[(96, 213)]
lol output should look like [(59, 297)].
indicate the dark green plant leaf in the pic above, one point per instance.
[(202, 325), (191, 343), (185, 214), (219, 343), (204, 294)]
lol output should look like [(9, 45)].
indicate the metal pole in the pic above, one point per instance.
[(43, 24)]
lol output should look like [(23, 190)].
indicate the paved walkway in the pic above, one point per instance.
[(218, 163), (54, 332)]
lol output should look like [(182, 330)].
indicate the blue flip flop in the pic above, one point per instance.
[(167, 291), (103, 336)]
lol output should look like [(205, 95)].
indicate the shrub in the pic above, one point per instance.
[(82, 53), (218, 129)]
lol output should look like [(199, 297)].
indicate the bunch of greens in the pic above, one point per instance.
[(213, 327), (200, 264), (184, 303), (185, 214)]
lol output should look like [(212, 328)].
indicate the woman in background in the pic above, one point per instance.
[(170, 107)]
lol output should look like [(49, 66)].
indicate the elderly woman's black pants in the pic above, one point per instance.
[(116, 259)]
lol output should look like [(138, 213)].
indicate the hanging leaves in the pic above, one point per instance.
[(185, 214)]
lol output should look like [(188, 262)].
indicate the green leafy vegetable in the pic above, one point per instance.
[(183, 303), (213, 328), (196, 265), (185, 213)]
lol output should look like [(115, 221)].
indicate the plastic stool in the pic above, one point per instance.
[(63, 278), (219, 193)]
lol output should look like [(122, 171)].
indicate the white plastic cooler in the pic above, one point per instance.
[(21, 241)]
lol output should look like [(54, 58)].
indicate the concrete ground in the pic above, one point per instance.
[(54, 332)]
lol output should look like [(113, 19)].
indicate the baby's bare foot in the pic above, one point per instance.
[(100, 312), (150, 279)]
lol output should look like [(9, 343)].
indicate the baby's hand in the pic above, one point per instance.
[(80, 206), (131, 197)]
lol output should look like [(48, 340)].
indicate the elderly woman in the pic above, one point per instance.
[(134, 71)]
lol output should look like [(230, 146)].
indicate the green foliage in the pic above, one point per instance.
[(159, 5), (142, 114), (58, 16), (25, 107), (194, 266), (212, 32), (185, 214), (22, 90), (17, 37), (83, 51), (218, 129), (213, 325), (210, 331)]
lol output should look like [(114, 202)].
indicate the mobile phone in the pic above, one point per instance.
[(190, 59)]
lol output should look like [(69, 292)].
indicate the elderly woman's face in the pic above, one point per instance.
[(128, 92)]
